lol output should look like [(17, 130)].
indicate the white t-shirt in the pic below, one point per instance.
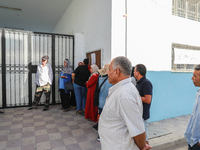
[(121, 118), (44, 75)]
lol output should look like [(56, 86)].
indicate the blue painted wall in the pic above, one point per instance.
[(173, 94)]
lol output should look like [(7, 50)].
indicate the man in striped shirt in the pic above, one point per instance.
[(121, 125)]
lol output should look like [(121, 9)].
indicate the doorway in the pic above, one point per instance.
[(95, 58)]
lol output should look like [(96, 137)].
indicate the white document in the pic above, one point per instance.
[(93, 58), (183, 56)]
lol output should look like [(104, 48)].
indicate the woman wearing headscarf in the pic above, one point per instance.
[(90, 109), (65, 76)]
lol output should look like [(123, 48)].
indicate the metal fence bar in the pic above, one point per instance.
[(3, 41)]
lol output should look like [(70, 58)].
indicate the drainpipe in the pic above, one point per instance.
[(125, 28)]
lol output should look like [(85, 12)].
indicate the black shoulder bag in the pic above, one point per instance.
[(96, 93), (69, 86)]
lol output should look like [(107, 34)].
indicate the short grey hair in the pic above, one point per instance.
[(123, 64), (197, 67)]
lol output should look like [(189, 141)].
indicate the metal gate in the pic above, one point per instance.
[(20, 53)]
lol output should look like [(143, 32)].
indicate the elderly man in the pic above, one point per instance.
[(121, 125), (192, 133), (44, 79)]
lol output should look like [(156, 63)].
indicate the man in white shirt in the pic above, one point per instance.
[(44, 79), (121, 125)]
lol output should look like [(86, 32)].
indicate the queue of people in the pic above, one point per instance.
[(107, 96), (114, 97)]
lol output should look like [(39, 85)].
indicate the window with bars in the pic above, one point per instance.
[(189, 57), (189, 9)]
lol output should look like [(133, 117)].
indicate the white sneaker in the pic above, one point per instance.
[(98, 139)]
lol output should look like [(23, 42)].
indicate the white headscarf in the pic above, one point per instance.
[(67, 69), (95, 69)]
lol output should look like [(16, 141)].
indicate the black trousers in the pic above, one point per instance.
[(65, 99), (73, 99), (195, 147)]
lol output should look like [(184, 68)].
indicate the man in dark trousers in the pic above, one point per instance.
[(44, 80), (145, 88)]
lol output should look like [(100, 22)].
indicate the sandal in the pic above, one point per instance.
[(83, 113), (79, 112), (73, 108), (65, 110)]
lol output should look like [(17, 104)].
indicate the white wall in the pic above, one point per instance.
[(118, 28), (79, 53), (151, 31), (92, 18)]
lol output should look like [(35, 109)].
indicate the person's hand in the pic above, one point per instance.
[(147, 147), (63, 76), (86, 82)]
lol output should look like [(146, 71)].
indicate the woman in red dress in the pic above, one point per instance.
[(90, 109)]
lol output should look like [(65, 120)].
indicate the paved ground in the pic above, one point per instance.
[(53, 129), (57, 130)]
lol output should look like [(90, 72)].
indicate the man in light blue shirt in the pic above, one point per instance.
[(192, 133)]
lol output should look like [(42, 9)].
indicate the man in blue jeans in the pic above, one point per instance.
[(145, 88), (79, 77), (192, 133)]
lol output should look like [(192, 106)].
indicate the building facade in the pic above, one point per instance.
[(163, 35)]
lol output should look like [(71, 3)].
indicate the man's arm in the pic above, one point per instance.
[(140, 141), (37, 76), (73, 75), (146, 99)]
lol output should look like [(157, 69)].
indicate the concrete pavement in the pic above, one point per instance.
[(168, 134)]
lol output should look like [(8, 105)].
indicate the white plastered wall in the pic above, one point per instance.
[(151, 31), (118, 28), (91, 20)]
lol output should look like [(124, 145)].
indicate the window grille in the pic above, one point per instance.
[(173, 7), (189, 9), (198, 12), (182, 67), (181, 8)]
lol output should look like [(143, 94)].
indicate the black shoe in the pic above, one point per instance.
[(95, 126), (30, 108), (1, 112), (45, 109)]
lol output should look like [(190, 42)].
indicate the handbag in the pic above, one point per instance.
[(69, 86)]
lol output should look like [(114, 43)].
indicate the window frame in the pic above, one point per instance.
[(182, 67)]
